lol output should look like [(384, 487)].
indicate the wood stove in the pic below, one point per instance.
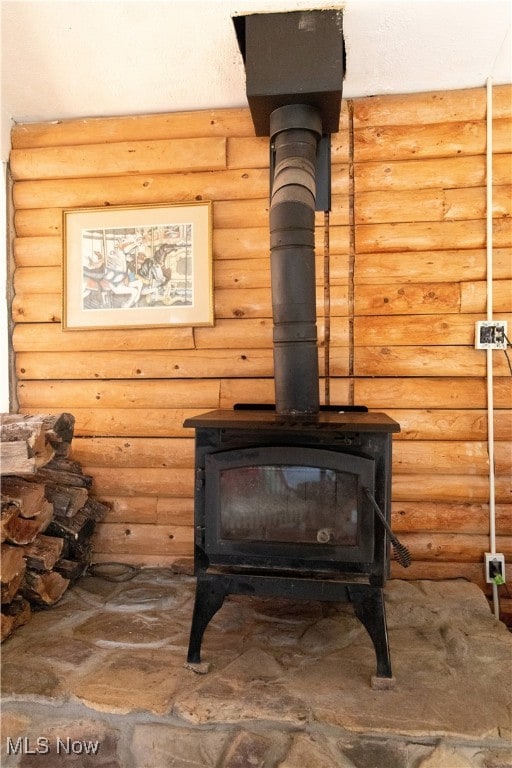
[(294, 500), (283, 508)]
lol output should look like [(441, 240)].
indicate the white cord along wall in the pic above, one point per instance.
[(489, 359)]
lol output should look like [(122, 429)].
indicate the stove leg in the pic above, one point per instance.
[(369, 608), (210, 594)]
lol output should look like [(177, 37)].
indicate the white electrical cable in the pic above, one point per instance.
[(489, 360)]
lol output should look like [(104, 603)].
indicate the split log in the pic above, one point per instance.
[(95, 509), (62, 478), (65, 499), (10, 510), (21, 531), (22, 440), (75, 532), (70, 569), (30, 442), (79, 526), (11, 589), (12, 570), (15, 457), (14, 615), (57, 429), (66, 465), (43, 553), (29, 497), (44, 588)]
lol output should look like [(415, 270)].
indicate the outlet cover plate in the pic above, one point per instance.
[(491, 334)]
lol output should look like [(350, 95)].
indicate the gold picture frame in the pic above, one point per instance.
[(137, 266)]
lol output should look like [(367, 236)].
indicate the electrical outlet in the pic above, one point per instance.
[(494, 568), (491, 334)]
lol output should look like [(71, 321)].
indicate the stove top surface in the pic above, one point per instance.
[(268, 418)]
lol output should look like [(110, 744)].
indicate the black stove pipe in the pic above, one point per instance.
[(295, 130)]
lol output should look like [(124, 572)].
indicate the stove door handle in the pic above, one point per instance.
[(400, 551)]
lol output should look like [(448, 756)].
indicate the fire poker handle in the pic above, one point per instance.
[(402, 554)]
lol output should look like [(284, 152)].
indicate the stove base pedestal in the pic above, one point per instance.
[(367, 600)]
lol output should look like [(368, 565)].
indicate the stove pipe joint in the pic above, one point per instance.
[(294, 131)]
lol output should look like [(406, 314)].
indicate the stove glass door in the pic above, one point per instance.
[(270, 496), (297, 504)]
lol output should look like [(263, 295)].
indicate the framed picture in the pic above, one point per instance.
[(137, 266)]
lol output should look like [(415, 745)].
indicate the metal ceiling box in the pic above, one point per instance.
[(293, 58)]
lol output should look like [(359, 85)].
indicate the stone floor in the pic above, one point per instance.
[(99, 681)]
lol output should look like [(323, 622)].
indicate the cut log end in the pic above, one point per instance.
[(44, 589)]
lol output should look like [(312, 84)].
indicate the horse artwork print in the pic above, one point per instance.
[(137, 267)]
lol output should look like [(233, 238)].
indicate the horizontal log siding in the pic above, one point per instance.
[(406, 282), (419, 286)]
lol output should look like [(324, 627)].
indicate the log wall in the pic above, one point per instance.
[(401, 270)]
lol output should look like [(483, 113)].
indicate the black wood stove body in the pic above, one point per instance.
[(284, 507)]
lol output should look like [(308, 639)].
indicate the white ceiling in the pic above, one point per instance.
[(82, 58)]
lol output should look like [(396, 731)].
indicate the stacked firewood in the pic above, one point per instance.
[(47, 515)]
